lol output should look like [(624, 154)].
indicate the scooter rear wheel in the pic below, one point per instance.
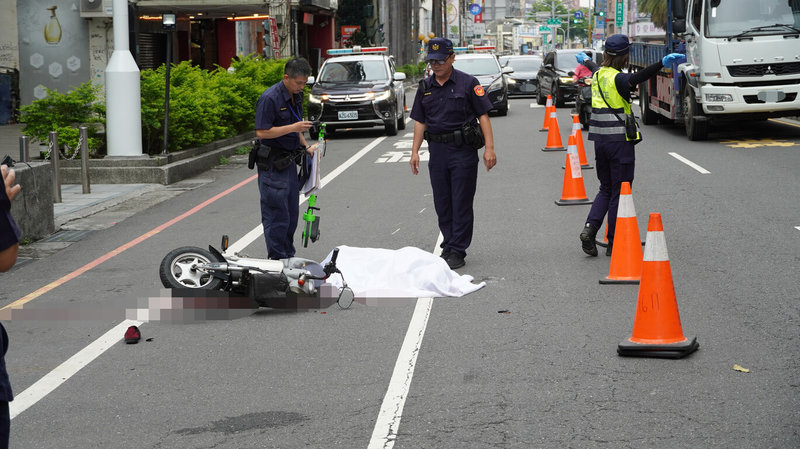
[(177, 269)]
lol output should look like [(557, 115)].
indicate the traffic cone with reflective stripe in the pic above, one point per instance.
[(573, 191), (626, 257), (554, 135), (547, 109), (657, 330), (576, 129)]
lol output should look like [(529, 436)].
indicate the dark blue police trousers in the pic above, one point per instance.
[(454, 176), (280, 193), (614, 164)]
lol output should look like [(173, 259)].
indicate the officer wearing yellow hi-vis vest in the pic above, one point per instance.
[(613, 130)]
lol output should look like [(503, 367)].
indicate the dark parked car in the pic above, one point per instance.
[(523, 80), (555, 77), (357, 90), (492, 77)]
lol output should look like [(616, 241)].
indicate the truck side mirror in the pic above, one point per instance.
[(679, 26), (679, 10)]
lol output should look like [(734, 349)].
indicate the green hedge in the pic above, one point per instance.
[(204, 105), (64, 113), (413, 70)]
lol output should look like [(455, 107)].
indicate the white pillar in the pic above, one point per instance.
[(123, 98)]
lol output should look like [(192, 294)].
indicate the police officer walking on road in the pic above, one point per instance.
[(613, 145), (280, 127), (451, 113)]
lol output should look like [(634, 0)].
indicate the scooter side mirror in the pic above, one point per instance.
[(346, 297)]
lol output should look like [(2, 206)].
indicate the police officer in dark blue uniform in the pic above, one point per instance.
[(451, 113), (614, 149), (279, 126), (9, 245)]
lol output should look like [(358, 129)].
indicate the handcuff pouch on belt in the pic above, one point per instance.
[(469, 134)]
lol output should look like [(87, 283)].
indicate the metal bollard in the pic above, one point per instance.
[(56, 169), (84, 138), (24, 150)]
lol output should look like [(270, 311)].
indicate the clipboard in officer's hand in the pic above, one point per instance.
[(313, 183)]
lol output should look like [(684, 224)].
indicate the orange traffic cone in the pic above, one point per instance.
[(576, 129), (554, 135), (657, 330), (547, 109), (573, 191), (626, 257)]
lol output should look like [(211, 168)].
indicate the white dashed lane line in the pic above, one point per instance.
[(690, 163)]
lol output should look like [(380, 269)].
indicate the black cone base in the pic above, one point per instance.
[(667, 351), (573, 202), (554, 149)]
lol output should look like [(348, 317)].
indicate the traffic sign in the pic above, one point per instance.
[(544, 28), (474, 9), (578, 15), (555, 21), (620, 6)]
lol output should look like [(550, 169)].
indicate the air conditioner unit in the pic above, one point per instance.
[(96, 8)]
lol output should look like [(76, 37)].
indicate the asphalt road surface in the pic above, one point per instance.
[(528, 361)]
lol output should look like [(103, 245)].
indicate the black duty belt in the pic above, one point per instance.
[(453, 136)]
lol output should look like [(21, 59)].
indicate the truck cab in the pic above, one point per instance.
[(743, 63)]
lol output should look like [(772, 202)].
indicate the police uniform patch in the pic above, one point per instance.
[(478, 90), (435, 46)]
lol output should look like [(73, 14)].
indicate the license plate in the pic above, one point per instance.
[(348, 115)]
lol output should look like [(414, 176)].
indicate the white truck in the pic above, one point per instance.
[(742, 63)]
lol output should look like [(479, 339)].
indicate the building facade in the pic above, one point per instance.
[(60, 44)]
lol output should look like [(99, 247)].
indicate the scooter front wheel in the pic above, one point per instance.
[(179, 269)]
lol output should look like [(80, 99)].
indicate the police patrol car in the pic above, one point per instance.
[(356, 88), (482, 65)]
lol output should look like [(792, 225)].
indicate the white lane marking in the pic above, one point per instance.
[(61, 373), (396, 231), (258, 231), (690, 163), (797, 227), (423, 210), (386, 426)]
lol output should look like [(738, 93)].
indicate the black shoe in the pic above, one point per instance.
[(587, 240), (608, 248), (445, 254), (455, 261)]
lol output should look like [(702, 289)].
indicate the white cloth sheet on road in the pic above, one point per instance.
[(403, 273)]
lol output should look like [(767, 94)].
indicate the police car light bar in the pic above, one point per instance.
[(357, 49), (474, 48)]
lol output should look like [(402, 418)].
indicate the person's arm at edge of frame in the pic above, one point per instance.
[(489, 158), (419, 132), (8, 256)]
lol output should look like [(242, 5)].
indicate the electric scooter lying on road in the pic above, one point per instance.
[(270, 283)]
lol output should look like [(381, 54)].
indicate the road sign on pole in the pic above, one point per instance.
[(544, 28), (620, 13), (555, 21)]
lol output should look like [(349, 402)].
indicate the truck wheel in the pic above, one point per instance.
[(649, 116), (693, 120)]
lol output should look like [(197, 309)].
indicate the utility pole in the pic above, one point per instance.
[(436, 13)]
